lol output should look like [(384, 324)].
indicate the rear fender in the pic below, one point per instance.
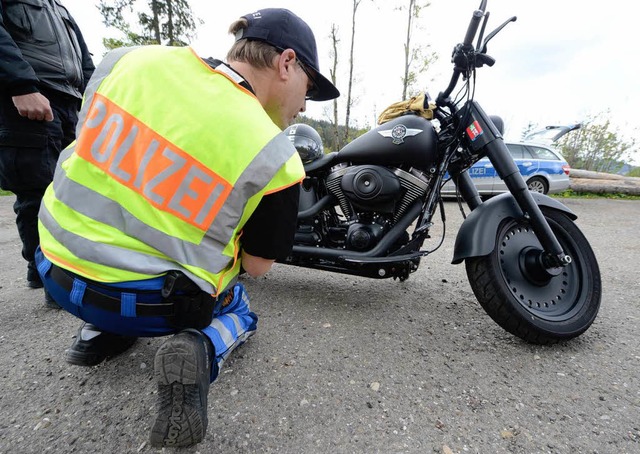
[(477, 235)]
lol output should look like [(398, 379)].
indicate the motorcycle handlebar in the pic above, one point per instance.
[(472, 29), (442, 97), (473, 26)]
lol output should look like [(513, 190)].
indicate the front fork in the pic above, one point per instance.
[(481, 136)]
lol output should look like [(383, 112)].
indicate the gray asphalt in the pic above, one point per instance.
[(343, 364)]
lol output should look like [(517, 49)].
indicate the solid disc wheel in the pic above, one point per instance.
[(537, 184), (538, 307)]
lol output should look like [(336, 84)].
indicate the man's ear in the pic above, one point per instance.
[(286, 63)]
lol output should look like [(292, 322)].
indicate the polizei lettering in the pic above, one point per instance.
[(144, 161)]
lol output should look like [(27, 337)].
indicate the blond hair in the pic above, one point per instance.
[(257, 53)]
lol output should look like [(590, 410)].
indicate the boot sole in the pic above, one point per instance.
[(82, 359), (181, 420)]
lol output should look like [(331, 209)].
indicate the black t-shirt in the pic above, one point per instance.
[(270, 230)]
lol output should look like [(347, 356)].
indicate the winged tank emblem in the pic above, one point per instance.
[(399, 132)]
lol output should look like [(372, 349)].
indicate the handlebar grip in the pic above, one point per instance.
[(473, 27)]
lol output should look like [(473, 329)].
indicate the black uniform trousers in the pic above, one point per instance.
[(29, 151)]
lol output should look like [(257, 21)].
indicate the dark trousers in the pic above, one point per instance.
[(29, 151)]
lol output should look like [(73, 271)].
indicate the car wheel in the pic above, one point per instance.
[(537, 184)]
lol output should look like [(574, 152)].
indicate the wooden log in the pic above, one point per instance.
[(579, 173), (606, 186)]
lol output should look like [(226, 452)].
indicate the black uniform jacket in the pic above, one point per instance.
[(41, 47)]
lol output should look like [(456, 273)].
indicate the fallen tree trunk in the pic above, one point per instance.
[(579, 173), (603, 183), (625, 185)]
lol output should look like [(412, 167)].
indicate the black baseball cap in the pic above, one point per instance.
[(284, 30)]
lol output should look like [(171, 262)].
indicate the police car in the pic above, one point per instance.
[(541, 165)]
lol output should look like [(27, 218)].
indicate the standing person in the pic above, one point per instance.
[(180, 178), (44, 68)]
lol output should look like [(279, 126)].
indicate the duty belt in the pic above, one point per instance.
[(111, 303), (182, 302)]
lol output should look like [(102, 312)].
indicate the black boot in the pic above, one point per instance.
[(33, 278), (182, 370), (93, 346)]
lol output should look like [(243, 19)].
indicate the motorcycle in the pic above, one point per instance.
[(367, 210)]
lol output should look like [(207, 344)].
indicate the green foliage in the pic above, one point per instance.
[(3, 192), (592, 195), (597, 146), (635, 172), (131, 40), (169, 22), (326, 130)]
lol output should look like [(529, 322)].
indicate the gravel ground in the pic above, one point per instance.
[(343, 364)]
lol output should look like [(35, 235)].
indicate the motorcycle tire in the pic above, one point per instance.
[(539, 311)]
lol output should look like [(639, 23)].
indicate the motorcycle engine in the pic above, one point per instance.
[(362, 237), (373, 198), (371, 188)]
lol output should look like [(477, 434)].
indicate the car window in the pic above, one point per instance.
[(518, 151), (542, 153)]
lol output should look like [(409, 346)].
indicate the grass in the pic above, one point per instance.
[(3, 192), (592, 195)]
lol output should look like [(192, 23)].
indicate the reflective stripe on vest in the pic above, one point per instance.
[(136, 194)]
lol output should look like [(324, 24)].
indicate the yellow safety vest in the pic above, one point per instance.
[(152, 185)]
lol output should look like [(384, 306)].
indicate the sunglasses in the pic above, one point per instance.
[(313, 91)]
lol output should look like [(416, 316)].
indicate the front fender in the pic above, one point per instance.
[(477, 235)]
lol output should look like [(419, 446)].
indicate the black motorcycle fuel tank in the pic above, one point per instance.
[(409, 139)]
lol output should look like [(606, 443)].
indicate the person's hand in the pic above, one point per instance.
[(34, 106)]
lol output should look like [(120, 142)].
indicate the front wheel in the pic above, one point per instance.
[(539, 310)]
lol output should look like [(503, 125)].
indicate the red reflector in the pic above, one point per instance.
[(566, 169)]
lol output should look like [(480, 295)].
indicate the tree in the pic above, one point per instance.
[(169, 22), (416, 60), (531, 127), (356, 3), (333, 71), (597, 146), (325, 129)]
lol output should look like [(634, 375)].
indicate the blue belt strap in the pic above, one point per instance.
[(77, 292), (128, 304), (44, 266)]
